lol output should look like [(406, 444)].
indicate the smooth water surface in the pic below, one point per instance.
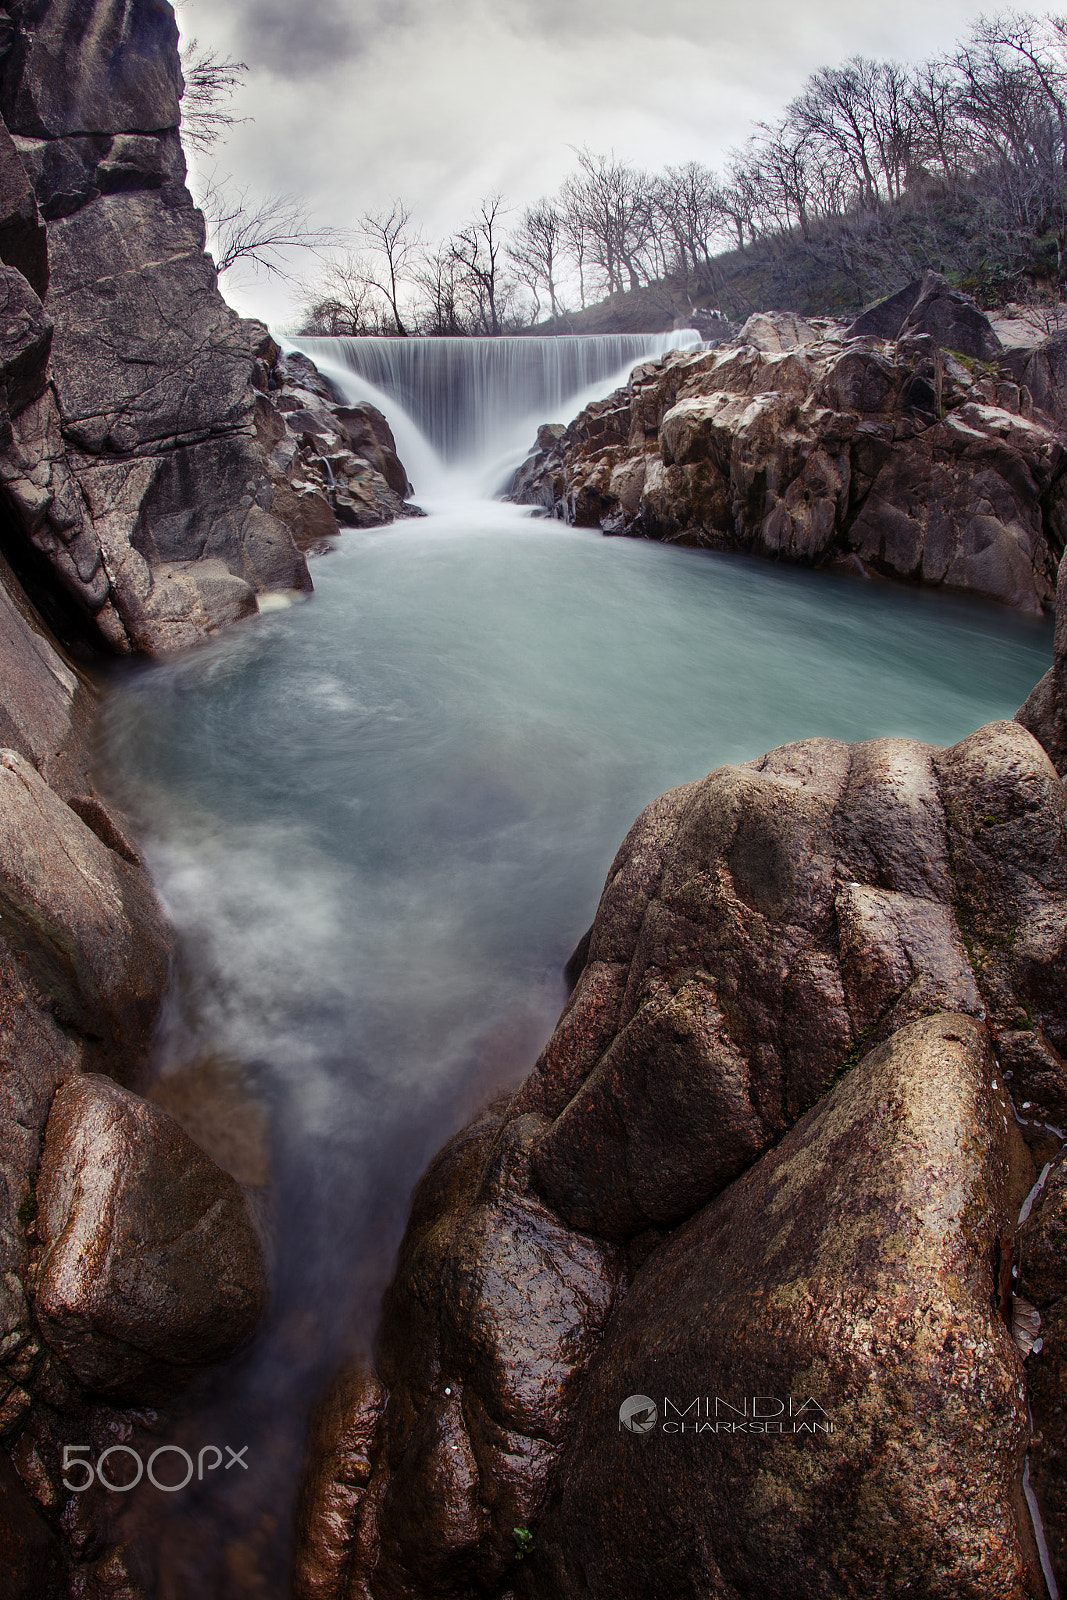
[(381, 819)]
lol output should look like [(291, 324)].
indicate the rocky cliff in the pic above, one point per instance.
[(756, 1286), (912, 445), (139, 441)]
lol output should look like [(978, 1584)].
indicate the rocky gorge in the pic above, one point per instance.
[(796, 1137)]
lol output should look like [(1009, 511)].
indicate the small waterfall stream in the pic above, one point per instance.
[(477, 403)]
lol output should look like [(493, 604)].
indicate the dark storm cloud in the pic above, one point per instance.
[(293, 41)]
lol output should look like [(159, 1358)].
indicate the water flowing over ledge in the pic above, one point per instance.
[(478, 402)]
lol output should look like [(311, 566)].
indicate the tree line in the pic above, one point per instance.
[(875, 169)]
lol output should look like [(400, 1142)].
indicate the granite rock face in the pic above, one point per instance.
[(901, 454), (778, 1097), (833, 1285), (84, 950), (132, 462)]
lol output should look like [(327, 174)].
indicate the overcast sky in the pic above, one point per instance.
[(354, 102)]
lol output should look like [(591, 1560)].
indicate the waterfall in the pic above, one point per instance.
[(478, 402)]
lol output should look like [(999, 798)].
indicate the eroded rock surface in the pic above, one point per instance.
[(918, 453), (84, 950), (777, 1096), (150, 1268), (133, 462), (848, 1279)]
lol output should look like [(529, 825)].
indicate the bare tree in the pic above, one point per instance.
[(478, 251), (617, 208), (738, 200), (535, 251), (345, 301), (211, 81), (575, 231), (260, 234), (389, 235), (940, 145), (687, 203), (437, 280)]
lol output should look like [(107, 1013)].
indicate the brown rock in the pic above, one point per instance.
[(151, 1268), (340, 1464), (83, 921), (877, 1313), (31, 1557), (760, 933), (1041, 1249), (802, 446)]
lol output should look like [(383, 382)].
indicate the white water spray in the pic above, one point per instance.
[(464, 412)]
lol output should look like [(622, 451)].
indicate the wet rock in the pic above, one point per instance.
[(84, 952), (876, 1317), (371, 437), (760, 935), (1041, 1250), (340, 1447), (802, 445), (80, 919), (332, 465), (31, 1556), (480, 1401), (150, 1266), (794, 911)]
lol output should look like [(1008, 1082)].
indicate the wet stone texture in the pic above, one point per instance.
[(1042, 1289), (874, 446), (150, 1268), (770, 1149), (852, 1267)]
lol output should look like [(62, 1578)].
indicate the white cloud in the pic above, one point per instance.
[(357, 101)]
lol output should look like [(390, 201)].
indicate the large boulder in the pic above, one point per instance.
[(802, 444), (834, 1286), (779, 1094), (84, 952), (150, 1267)]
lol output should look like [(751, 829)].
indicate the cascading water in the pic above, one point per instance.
[(479, 402), (379, 822)]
